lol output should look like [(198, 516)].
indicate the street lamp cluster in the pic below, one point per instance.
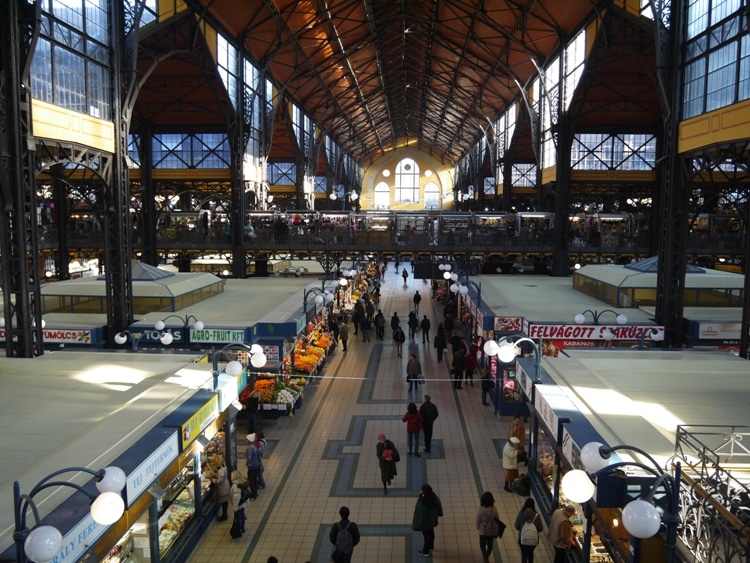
[(506, 349), (641, 518), (258, 359), (165, 336), (43, 543), (608, 335), (323, 296), (460, 282)]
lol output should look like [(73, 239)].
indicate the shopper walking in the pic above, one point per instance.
[(487, 386), (529, 526), (364, 328), (220, 480), (240, 500), (380, 325), (413, 323), (413, 372), (449, 324), (429, 413), (486, 524), (518, 430), (470, 364), (399, 338), (344, 536), (425, 327), (388, 456), (560, 532), (405, 275), (344, 336), (357, 315), (253, 460), (426, 513), (251, 410), (417, 299), (458, 368), (440, 345), (510, 462), (395, 322), (414, 424), (260, 437)]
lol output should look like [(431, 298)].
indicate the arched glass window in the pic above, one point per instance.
[(407, 181), (431, 196), (382, 196)]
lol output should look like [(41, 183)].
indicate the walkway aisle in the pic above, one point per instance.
[(325, 458)]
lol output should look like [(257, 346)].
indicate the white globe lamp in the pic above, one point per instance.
[(591, 457), (641, 519), (577, 486), (43, 544), (233, 368)]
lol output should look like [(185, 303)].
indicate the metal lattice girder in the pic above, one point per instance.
[(19, 22)]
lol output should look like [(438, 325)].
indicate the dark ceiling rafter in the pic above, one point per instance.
[(282, 26), (373, 72)]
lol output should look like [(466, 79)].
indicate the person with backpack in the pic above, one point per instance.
[(344, 536), (529, 526), (487, 517)]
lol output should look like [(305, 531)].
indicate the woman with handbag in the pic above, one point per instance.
[(487, 517), (387, 458)]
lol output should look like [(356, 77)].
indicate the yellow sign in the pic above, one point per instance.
[(199, 421)]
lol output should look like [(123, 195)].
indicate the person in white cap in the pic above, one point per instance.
[(510, 462)]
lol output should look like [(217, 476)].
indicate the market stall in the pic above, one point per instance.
[(279, 394)]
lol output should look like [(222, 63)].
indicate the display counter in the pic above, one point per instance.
[(279, 394)]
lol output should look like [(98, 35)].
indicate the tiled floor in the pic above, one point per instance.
[(324, 458)]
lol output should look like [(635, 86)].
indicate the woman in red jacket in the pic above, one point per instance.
[(414, 423)]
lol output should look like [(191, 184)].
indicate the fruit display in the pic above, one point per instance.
[(309, 355), (267, 388), (274, 391)]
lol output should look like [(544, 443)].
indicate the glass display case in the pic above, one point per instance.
[(511, 388), (545, 460), (176, 509), (124, 551)]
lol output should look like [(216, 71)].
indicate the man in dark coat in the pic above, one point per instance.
[(429, 413), (425, 326)]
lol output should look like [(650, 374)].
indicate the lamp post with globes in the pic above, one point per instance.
[(640, 517), (165, 336), (43, 543), (344, 281), (321, 297), (655, 334), (351, 196), (607, 334), (234, 368), (506, 349)]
